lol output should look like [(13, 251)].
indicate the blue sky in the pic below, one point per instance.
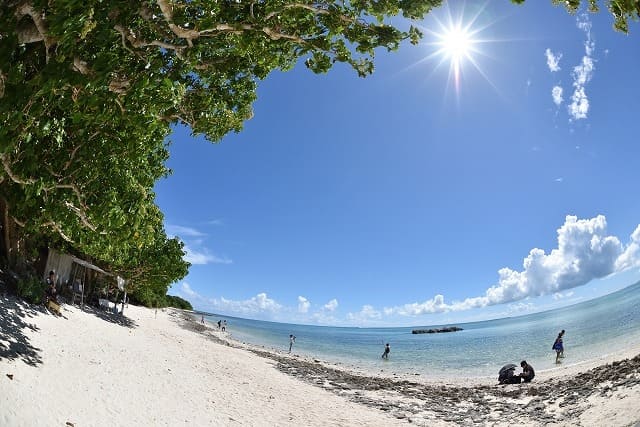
[(407, 199)]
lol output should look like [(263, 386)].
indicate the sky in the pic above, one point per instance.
[(462, 181)]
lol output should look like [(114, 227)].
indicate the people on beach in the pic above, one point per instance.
[(219, 324), (558, 346), (224, 325), (387, 350), (51, 294), (527, 372), (292, 340), (202, 319)]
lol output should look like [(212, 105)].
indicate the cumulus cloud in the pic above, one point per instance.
[(331, 305), (366, 314), (631, 256), (256, 305), (303, 304), (585, 252), (556, 94), (582, 73), (553, 60)]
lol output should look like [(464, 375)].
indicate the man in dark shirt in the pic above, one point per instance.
[(527, 372), (50, 289)]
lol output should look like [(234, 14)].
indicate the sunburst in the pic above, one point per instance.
[(457, 41)]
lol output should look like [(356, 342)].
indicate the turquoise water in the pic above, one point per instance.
[(594, 328)]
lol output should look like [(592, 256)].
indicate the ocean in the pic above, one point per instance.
[(594, 328)]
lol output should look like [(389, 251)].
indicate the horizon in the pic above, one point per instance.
[(487, 172), (516, 316)]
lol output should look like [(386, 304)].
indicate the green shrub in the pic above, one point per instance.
[(31, 289)]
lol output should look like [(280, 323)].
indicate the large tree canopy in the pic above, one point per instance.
[(89, 90)]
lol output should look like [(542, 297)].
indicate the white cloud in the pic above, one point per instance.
[(556, 94), (582, 73), (303, 304), (195, 253), (186, 290), (559, 179), (585, 252), (631, 256), (331, 305), (256, 305), (178, 230), (366, 314), (197, 257), (434, 305), (560, 295), (579, 106), (553, 60)]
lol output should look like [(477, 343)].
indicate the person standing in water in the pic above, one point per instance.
[(558, 346), (387, 350), (292, 339)]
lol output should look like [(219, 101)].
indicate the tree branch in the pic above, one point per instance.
[(14, 178)]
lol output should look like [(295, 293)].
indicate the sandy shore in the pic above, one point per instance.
[(90, 368)]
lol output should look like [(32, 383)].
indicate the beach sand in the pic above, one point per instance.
[(91, 368)]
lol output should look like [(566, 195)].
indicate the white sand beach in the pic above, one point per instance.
[(91, 368)]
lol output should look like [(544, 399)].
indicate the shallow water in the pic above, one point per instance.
[(594, 328)]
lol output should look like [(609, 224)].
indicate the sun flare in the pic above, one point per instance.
[(456, 43), (455, 40)]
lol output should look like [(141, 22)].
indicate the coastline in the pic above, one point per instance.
[(92, 368), (575, 394)]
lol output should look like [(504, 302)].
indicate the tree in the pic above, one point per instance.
[(89, 90), (623, 11)]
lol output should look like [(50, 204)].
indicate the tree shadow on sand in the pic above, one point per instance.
[(117, 319), (14, 322)]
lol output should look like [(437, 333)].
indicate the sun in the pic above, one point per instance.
[(456, 41)]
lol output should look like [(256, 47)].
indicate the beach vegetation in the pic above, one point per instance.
[(177, 302), (91, 90), (31, 289)]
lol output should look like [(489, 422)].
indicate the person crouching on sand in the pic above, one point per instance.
[(527, 372), (387, 350)]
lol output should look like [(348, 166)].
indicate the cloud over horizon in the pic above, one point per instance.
[(303, 304), (585, 252)]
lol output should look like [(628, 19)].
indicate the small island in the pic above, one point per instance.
[(436, 331)]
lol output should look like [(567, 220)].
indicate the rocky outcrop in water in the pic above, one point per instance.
[(436, 331)]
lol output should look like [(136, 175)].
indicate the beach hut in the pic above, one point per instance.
[(75, 275)]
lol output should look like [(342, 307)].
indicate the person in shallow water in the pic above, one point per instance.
[(387, 350), (527, 372), (292, 339), (558, 346)]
